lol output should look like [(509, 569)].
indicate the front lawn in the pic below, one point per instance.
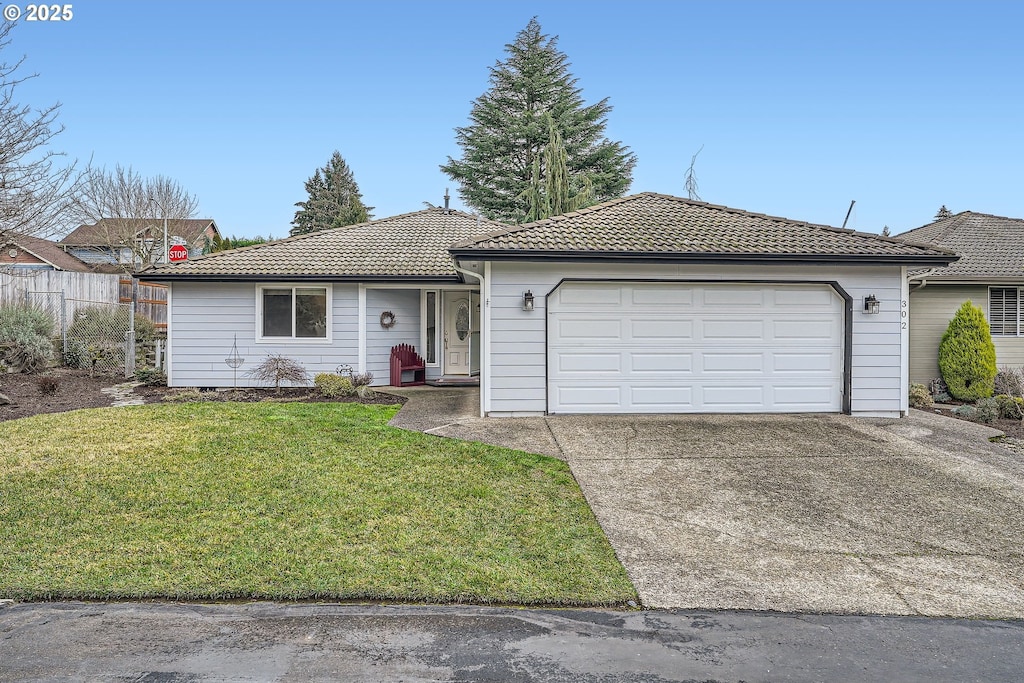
[(288, 501)]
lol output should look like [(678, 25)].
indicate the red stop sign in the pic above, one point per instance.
[(179, 252)]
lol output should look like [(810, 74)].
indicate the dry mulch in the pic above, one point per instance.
[(75, 389)]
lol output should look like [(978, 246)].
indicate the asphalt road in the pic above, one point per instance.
[(175, 643)]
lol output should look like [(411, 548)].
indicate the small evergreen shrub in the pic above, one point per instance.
[(967, 412), (920, 397), (365, 391), (967, 357), (151, 376), (26, 338), (986, 410), (332, 385)]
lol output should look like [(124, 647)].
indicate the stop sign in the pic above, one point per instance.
[(179, 252)]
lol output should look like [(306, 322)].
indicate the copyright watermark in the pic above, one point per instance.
[(38, 12)]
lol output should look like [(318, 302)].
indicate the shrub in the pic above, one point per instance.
[(277, 368), (967, 412), (26, 336), (986, 410), (362, 379), (365, 391), (919, 396), (332, 385), (967, 357), (151, 376), (1009, 381), (47, 385), (1010, 407)]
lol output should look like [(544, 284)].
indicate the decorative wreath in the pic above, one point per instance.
[(387, 320)]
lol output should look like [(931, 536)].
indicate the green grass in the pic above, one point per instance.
[(288, 501)]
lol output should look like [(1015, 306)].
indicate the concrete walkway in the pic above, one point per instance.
[(796, 513)]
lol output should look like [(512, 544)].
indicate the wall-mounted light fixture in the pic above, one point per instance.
[(527, 300), (871, 304)]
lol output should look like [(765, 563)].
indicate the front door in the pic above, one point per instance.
[(457, 333)]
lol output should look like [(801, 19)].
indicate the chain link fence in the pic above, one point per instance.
[(98, 336)]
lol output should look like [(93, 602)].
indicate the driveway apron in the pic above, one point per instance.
[(795, 513)]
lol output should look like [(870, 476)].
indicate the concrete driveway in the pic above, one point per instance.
[(791, 513)]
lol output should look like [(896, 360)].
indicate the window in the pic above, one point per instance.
[(1006, 310), (431, 325), (293, 312)]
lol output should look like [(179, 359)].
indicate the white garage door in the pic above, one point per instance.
[(681, 348)]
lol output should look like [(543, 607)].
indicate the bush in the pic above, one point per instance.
[(151, 376), (967, 412), (986, 410), (47, 385), (967, 357), (919, 396), (332, 385), (1010, 407), (1009, 381), (26, 338), (365, 391), (277, 368), (362, 379)]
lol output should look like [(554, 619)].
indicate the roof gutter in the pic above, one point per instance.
[(640, 257), (922, 280)]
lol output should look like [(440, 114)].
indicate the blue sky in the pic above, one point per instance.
[(800, 106)]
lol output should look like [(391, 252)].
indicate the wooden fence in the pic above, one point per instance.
[(16, 288), (150, 301)]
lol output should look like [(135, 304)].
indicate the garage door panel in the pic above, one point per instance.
[(804, 362), (733, 363), (656, 363), (643, 329), (676, 297), (590, 329), (823, 329), (695, 348), (713, 330), (588, 363), (665, 399), (732, 296)]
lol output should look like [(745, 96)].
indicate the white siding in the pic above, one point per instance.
[(405, 304), (518, 338), (205, 317)]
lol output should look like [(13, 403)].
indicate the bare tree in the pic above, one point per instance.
[(35, 190), (126, 213)]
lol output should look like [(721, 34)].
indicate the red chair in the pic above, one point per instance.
[(403, 358)]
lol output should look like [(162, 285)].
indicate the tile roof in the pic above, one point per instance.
[(47, 251), (412, 245), (990, 247), (98, 234), (663, 226)]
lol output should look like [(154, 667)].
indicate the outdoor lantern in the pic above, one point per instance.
[(871, 304), (527, 300)]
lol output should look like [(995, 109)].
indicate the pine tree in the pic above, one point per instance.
[(504, 170), (943, 212), (334, 199)]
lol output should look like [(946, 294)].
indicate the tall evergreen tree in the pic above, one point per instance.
[(503, 172), (334, 199)]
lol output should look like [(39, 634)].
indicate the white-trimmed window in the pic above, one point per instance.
[(293, 313), (1006, 311), (431, 316)]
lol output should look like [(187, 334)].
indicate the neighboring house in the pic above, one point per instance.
[(121, 241), (646, 304), (990, 273), (21, 251)]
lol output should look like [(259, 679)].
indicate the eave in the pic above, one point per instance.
[(709, 257)]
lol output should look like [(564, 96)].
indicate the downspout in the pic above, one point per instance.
[(485, 369), (922, 278)]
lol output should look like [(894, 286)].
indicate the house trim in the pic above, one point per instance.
[(704, 258), (259, 337)]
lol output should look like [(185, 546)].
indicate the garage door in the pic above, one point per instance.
[(681, 348)]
